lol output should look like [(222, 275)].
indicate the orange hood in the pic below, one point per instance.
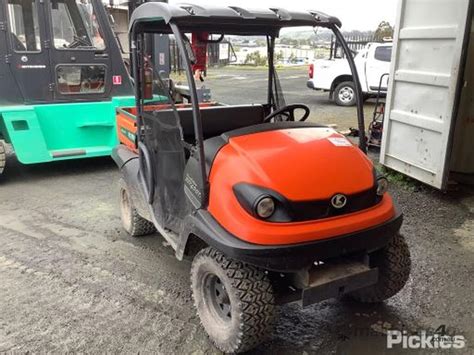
[(300, 164)]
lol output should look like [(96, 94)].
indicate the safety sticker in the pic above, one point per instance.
[(340, 142), (117, 79)]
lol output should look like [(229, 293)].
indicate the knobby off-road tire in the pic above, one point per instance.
[(234, 301), (394, 266), (132, 222), (3, 157)]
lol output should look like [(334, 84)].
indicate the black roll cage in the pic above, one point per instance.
[(137, 34)]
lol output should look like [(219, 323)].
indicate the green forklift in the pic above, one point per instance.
[(62, 75)]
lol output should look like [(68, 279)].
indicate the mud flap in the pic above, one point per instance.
[(128, 163)]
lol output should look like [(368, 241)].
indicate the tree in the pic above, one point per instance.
[(292, 58), (279, 56), (256, 59), (385, 30)]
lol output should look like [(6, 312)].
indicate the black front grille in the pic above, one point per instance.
[(317, 209)]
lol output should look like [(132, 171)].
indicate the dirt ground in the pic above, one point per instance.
[(72, 280)]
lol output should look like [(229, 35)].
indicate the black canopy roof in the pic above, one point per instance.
[(155, 17)]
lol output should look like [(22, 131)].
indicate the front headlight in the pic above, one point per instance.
[(382, 185), (265, 207), (262, 203)]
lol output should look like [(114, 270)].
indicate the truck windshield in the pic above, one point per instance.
[(75, 25)]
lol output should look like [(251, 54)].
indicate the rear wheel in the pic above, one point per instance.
[(234, 301), (345, 94), (132, 222), (3, 157), (394, 266)]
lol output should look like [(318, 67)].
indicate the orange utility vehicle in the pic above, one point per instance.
[(270, 208)]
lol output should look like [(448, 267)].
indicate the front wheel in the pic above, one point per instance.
[(345, 94), (3, 157), (394, 264), (234, 301)]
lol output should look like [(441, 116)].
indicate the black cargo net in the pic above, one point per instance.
[(163, 137)]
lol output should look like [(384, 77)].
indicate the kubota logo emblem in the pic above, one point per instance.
[(339, 201)]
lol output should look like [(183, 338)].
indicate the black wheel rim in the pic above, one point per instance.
[(217, 297)]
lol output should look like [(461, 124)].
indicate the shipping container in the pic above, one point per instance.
[(429, 128)]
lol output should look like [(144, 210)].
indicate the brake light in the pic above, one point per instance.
[(311, 71)]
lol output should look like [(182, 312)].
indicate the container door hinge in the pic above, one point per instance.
[(51, 87)]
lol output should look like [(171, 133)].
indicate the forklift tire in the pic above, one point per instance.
[(394, 266), (3, 157), (132, 222), (235, 301), (345, 94)]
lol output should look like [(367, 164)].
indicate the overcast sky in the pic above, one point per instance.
[(354, 14)]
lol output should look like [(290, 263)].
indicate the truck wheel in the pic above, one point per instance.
[(3, 157), (234, 301), (394, 266), (345, 94), (132, 222)]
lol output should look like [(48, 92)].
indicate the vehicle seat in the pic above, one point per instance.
[(219, 119)]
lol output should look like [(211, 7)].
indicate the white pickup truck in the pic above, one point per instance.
[(334, 75)]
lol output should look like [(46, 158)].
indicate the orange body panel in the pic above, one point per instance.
[(126, 121), (301, 164), (126, 129)]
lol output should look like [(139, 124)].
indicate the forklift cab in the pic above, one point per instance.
[(61, 78), (58, 51)]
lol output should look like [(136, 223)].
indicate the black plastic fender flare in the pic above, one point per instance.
[(146, 168)]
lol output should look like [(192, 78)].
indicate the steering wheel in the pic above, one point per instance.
[(289, 112), (79, 42)]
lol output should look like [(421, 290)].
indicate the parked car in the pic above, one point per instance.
[(334, 75)]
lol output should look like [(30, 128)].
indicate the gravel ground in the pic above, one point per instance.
[(72, 280)]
